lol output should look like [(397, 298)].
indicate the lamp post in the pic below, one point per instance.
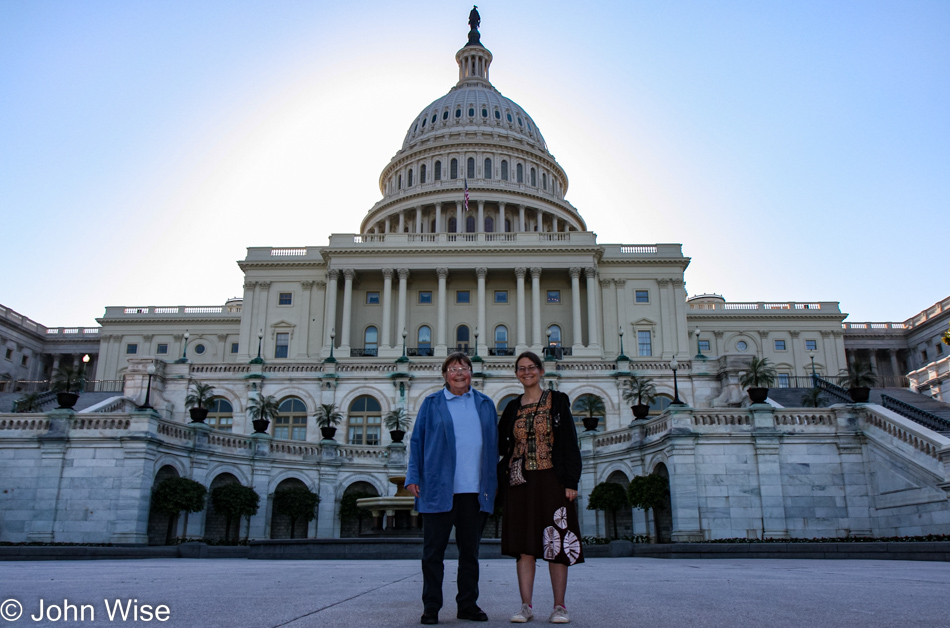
[(85, 367), (676, 392), (148, 389), (260, 342), (814, 376), (403, 359), (699, 352), (622, 356), (476, 358), (331, 359), (184, 351), (549, 350)]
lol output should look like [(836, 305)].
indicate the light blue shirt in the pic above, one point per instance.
[(468, 440)]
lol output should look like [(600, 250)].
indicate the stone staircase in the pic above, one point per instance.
[(86, 400)]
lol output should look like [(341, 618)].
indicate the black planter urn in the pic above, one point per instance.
[(260, 426), (198, 415), (758, 395), (397, 435), (328, 432), (66, 400), (859, 394), (640, 411), (590, 423)]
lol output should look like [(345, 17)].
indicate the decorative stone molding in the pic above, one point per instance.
[(333, 273), (591, 272), (387, 273), (663, 281), (349, 273), (575, 272), (535, 272), (265, 285), (764, 334), (403, 273), (620, 283), (250, 285), (520, 272), (308, 285), (481, 272), (442, 272)]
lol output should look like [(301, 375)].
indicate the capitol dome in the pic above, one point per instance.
[(476, 138)]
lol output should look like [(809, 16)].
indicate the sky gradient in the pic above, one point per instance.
[(798, 150)]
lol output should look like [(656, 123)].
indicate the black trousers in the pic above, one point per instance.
[(469, 522)]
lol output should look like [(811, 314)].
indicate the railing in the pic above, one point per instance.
[(763, 306), (501, 351), (420, 352), (119, 312), (834, 390), (875, 326), (363, 352), (927, 419), (90, 385)]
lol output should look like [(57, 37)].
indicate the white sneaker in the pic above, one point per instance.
[(560, 616), (522, 616)]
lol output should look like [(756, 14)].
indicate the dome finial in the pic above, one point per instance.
[(474, 19)]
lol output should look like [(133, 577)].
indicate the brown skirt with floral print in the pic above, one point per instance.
[(540, 521)]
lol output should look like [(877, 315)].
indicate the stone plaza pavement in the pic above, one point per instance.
[(602, 592)]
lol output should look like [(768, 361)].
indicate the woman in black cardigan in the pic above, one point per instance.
[(538, 473)]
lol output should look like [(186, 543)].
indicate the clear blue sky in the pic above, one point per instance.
[(799, 150)]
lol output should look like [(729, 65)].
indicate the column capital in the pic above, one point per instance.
[(605, 283), (521, 206), (575, 272), (520, 272), (349, 273), (677, 282), (403, 274), (795, 333), (764, 334), (333, 274), (387, 273), (250, 285), (147, 337), (264, 284), (501, 204), (442, 272), (620, 283), (664, 282), (535, 272), (222, 337), (591, 272), (481, 271), (438, 205), (308, 285), (719, 333), (481, 204)]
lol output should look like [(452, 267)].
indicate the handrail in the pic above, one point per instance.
[(927, 419), (834, 389)]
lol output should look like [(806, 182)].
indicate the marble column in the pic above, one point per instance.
[(438, 218), (620, 290), (418, 222), (459, 218), (385, 340), (303, 343), (247, 322), (593, 332), (483, 334), (401, 303), (480, 227), (348, 275), (402, 221), (522, 343), (264, 303), (666, 317), (895, 369), (329, 319), (536, 308), (577, 340), (521, 226), (500, 225), (440, 347), (540, 218)]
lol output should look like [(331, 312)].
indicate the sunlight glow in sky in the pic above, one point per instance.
[(799, 150)]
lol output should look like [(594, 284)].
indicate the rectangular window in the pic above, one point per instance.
[(9, 354), (703, 345), (234, 347), (501, 296), (372, 298), (780, 345), (811, 345), (463, 296), (784, 380), (131, 349), (644, 344), (299, 428), (285, 298), (24, 360), (554, 296), (161, 349), (643, 296), (282, 347), (923, 355), (425, 297)]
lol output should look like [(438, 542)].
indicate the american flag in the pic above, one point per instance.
[(466, 194)]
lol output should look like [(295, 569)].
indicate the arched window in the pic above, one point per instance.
[(452, 225), (424, 341), (454, 168), (438, 171), (470, 224), (462, 338), (555, 339), (504, 169), (659, 404), (363, 421), (507, 226), (458, 112), (471, 167), (399, 187), (422, 173), (370, 341), (534, 178), (586, 406), (291, 421), (501, 340), (519, 173), (220, 414), (432, 226), (487, 174), (409, 179), (504, 402), (489, 224), (544, 180)]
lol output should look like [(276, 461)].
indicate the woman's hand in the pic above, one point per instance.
[(571, 494), (414, 489)]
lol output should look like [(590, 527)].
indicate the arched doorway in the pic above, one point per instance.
[(663, 514), (158, 522), (354, 521), (216, 523), (279, 523), (622, 518)]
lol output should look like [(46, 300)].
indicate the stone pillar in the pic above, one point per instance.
[(768, 464), (480, 227), (329, 318), (872, 354), (895, 369), (536, 309), (522, 343), (540, 218), (402, 221), (459, 218), (521, 226), (500, 225), (263, 307), (797, 362), (685, 490), (440, 347), (855, 480), (578, 340), (418, 219), (620, 289), (303, 343), (666, 322), (348, 275), (593, 333), (385, 340), (482, 331), (131, 516), (387, 224), (49, 476), (401, 303), (438, 218)]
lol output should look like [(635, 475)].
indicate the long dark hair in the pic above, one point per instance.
[(531, 355)]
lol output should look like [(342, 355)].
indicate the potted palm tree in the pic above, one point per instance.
[(67, 382), (593, 406), (643, 391), (397, 422), (29, 402), (328, 417), (199, 396), (760, 374), (813, 398), (262, 410), (859, 377)]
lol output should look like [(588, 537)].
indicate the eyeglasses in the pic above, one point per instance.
[(459, 369), (531, 368)]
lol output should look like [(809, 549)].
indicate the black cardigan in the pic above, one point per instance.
[(565, 455)]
